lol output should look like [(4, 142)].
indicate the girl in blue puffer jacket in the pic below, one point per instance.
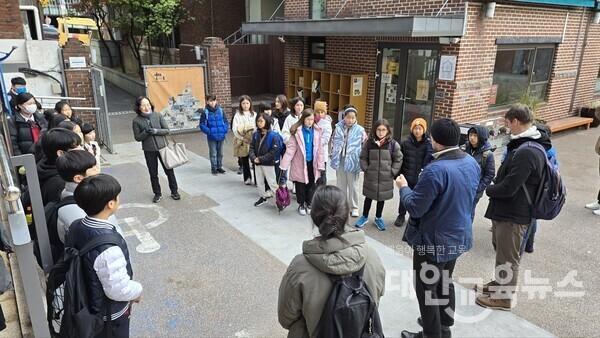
[(214, 124)]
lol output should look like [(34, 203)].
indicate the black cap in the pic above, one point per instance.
[(445, 132)]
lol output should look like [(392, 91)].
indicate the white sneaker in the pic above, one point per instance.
[(248, 182), (308, 209), (355, 213), (593, 206), (301, 210), (597, 212)]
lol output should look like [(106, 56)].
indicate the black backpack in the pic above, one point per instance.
[(51, 214), (350, 311), (66, 296)]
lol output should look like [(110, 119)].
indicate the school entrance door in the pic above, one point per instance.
[(405, 86)]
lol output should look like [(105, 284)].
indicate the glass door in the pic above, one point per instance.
[(406, 86), (419, 87), (388, 85)]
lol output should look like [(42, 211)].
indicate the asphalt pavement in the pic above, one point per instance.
[(211, 263)]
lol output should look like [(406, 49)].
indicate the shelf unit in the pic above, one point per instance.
[(336, 88)]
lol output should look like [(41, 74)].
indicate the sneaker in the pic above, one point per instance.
[(446, 333), (354, 213), (260, 202), (157, 198), (379, 224), (214, 172), (593, 206), (248, 182), (487, 288), (597, 212), (408, 334), (361, 221), (400, 221), (220, 171), (493, 303), (302, 210), (308, 209), (175, 196), (240, 170)]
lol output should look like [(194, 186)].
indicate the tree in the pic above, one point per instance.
[(146, 19), (98, 10)]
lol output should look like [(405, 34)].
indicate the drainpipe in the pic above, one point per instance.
[(583, 45)]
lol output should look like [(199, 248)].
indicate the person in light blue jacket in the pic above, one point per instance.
[(348, 138), (440, 229), (214, 124)]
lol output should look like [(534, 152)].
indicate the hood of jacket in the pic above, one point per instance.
[(335, 257), (530, 134), (46, 170), (483, 135)]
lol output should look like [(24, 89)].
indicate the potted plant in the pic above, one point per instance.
[(591, 111)]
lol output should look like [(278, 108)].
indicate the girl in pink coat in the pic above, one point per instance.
[(304, 158)]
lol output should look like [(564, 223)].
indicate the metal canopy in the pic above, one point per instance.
[(574, 3), (410, 26)]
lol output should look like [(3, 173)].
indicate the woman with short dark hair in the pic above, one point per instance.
[(150, 128)]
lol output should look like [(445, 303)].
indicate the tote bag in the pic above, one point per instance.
[(173, 154)]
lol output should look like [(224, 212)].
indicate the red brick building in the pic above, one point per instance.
[(218, 18), (468, 60)]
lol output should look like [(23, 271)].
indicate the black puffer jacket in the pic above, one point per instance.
[(51, 184), (20, 132), (266, 155), (488, 169), (414, 157), (381, 165), (507, 198)]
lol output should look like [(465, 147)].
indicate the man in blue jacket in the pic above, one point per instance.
[(439, 230), (214, 124)]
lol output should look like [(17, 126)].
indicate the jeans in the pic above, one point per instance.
[(435, 294), (215, 149), (152, 159)]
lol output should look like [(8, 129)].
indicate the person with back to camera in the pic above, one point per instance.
[(150, 128), (440, 229), (337, 250), (348, 138), (107, 270), (381, 160), (304, 159)]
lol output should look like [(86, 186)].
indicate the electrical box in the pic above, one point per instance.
[(56, 88)]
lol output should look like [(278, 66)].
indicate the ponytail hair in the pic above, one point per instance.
[(330, 212)]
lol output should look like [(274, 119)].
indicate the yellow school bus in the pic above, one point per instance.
[(80, 28)]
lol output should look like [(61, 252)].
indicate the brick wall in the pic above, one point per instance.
[(79, 80), (466, 98), (218, 72), (228, 16), (11, 26)]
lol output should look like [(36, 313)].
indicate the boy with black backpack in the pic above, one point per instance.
[(106, 269)]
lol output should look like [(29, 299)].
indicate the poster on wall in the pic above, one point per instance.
[(386, 78), (422, 90), (357, 84), (177, 93), (391, 91), (447, 67)]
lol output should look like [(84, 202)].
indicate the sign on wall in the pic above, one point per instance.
[(447, 67), (177, 93)]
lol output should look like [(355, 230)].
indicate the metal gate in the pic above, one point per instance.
[(103, 129)]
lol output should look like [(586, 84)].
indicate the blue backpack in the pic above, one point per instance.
[(551, 194), (281, 149)]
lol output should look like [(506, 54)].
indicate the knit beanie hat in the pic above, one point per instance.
[(419, 122), (445, 132), (321, 105)]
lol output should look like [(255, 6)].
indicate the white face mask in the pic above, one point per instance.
[(30, 109)]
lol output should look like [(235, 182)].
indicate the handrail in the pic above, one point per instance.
[(10, 192)]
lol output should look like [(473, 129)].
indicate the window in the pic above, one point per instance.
[(598, 82), (519, 69), (318, 9), (316, 53)]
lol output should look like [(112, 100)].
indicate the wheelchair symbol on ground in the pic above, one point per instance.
[(136, 228)]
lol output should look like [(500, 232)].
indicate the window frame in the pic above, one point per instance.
[(311, 4), (527, 47)]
